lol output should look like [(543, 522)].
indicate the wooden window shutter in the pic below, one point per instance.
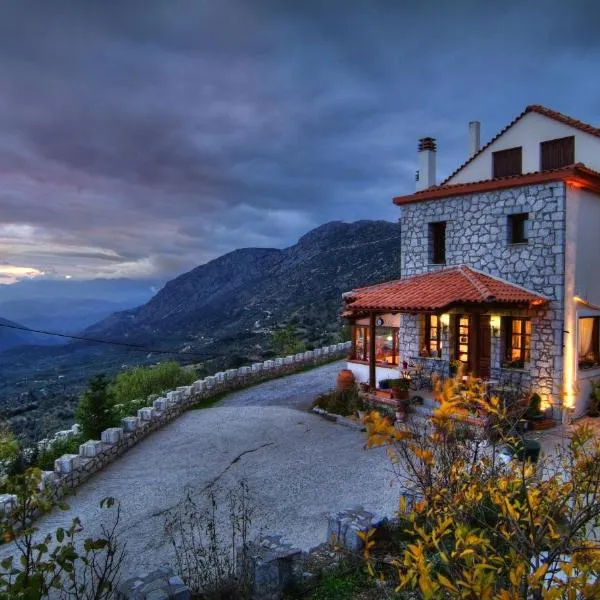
[(557, 153), (507, 162)]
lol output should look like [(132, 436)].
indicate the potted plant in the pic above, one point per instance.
[(594, 405), (533, 412), (400, 387)]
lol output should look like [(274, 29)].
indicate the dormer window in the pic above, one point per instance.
[(507, 162), (558, 153)]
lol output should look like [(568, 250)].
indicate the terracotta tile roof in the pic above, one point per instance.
[(537, 108), (439, 290), (577, 174)]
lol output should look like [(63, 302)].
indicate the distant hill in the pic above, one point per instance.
[(67, 305), (64, 315), (249, 291), (12, 338)]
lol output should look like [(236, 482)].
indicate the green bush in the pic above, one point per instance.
[(96, 410), (45, 459), (139, 383), (340, 402)]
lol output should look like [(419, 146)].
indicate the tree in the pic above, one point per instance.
[(286, 341), (96, 409), (479, 528)]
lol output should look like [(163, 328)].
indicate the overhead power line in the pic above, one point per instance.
[(137, 347)]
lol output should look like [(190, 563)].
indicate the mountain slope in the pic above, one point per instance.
[(64, 315), (252, 290), (11, 338)]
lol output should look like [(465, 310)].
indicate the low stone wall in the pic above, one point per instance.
[(71, 470)]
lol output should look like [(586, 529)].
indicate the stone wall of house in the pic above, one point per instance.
[(477, 236)]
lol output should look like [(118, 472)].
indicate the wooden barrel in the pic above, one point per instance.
[(345, 380)]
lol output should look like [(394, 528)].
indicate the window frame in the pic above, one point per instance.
[(428, 338), (595, 341), (525, 342), (502, 158), (567, 147), (437, 242), (365, 334), (520, 219)]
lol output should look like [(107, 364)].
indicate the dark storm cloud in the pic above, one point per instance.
[(145, 137)]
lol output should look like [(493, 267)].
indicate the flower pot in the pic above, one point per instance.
[(345, 380), (401, 394), (526, 450)]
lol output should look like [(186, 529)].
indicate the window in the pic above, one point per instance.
[(462, 339), (517, 338), (432, 342), (589, 342), (437, 243), (507, 162), (557, 153), (517, 228), (386, 344)]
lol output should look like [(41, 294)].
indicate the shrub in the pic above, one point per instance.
[(136, 385), (211, 559), (96, 410), (45, 458), (594, 404), (286, 341), (481, 528), (340, 402), (59, 564)]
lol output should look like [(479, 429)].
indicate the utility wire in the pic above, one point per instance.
[(137, 347)]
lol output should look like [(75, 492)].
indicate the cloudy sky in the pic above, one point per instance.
[(144, 137)]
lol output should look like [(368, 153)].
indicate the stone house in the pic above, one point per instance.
[(500, 265)]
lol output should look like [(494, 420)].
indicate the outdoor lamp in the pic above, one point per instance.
[(445, 322), (495, 325)]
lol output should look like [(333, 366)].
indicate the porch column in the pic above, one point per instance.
[(372, 374), (352, 325)]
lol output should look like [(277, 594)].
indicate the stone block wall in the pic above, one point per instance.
[(477, 235), (73, 469)]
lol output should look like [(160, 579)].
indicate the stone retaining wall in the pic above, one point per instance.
[(71, 470)]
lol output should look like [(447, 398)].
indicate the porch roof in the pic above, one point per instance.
[(440, 290)]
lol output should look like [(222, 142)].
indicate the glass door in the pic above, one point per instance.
[(463, 339)]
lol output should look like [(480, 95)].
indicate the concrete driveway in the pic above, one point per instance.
[(299, 468)]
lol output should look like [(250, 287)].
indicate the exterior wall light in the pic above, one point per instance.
[(445, 322), (495, 325)]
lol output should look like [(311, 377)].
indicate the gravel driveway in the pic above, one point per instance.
[(299, 468)]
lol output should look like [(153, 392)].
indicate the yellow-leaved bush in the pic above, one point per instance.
[(477, 527)]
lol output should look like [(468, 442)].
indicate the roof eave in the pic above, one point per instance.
[(577, 175)]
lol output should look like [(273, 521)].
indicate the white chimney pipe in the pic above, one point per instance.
[(426, 173), (474, 137)]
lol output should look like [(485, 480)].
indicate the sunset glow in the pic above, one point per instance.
[(12, 274)]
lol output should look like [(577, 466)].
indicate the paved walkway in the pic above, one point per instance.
[(294, 391), (299, 467)]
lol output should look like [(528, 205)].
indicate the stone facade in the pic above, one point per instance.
[(477, 235)]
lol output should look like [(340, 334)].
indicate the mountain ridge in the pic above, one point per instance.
[(233, 292)]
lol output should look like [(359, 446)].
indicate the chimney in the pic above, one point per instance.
[(426, 172), (474, 137)]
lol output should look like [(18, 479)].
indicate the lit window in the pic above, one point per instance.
[(589, 342), (432, 344), (386, 344), (517, 342)]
